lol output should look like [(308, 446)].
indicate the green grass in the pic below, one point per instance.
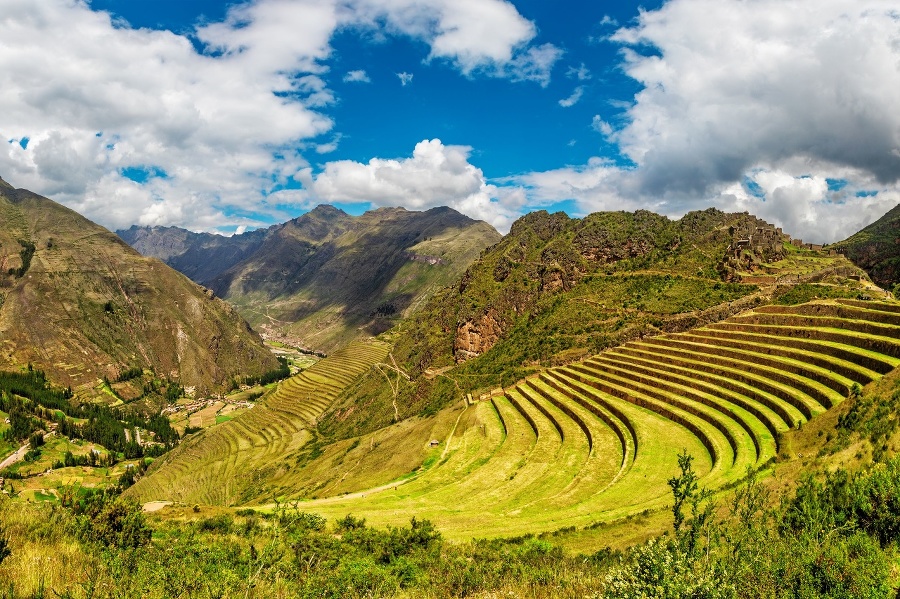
[(589, 443)]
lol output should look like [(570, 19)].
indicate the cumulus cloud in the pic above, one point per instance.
[(359, 76), (435, 175), (405, 78), (214, 131), (485, 36), (786, 93), (737, 84)]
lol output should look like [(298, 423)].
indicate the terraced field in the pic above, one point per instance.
[(597, 440), (246, 457)]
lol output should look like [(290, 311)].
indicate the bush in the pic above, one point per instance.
[(111, 521)]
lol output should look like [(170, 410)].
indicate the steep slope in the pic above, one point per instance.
[(876, 249), (326, 277), (80, 304), (200, 256)]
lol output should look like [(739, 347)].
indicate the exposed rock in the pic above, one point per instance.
[(474, 337)]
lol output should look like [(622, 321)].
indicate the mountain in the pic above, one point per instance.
[(80, 304), (876, 249), (200, 256), (327, 277)]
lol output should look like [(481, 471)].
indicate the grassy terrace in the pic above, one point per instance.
[(243, 458), (596, 440)]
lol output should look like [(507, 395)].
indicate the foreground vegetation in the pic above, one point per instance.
[(834, 537)]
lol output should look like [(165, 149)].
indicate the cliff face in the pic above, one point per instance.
[(476, 336), (80, 304)]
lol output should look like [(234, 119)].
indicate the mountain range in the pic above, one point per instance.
[(326, 277)]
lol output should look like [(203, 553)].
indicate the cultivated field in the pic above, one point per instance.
[(597, 440), (250, 456)]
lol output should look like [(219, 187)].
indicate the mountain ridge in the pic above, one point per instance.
[(876, 248)]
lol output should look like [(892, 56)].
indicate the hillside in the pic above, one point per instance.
[(553, 292), (876, 249), (81, 305), (710, 345), (326, 277)]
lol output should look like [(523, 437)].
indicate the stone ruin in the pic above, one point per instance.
[(752, 244)]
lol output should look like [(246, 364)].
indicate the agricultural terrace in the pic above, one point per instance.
[(249, 456), (595, 440)]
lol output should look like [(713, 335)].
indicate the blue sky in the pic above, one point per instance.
[(224, 116), (513, 127)]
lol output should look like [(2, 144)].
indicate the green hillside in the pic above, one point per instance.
[(557, 290), (876, 249), (586, 386), (326, 277)]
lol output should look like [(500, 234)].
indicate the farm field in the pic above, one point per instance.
[(596, 441)]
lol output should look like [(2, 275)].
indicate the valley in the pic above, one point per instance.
[(543, 397)]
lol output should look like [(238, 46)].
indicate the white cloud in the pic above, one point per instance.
[(573, 99), (608, 20), (359, 76), (219, 130), (405, 78), (435, 175), (535, 64), (581, 73), (785, 92), (331, 146), (601, 126), (484, 36), (736, 84)]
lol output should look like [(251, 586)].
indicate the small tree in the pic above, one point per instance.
[(686, 489)]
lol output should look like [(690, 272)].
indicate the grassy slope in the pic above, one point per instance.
[(553, 290), (522, 462), (254, 454), (582, 444)]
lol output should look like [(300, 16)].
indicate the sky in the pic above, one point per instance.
[(228, 116)]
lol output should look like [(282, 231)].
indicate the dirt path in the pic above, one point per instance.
[(15, 457)]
